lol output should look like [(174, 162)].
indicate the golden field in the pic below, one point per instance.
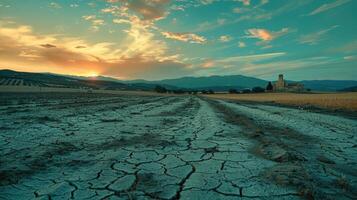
[(343, 101)]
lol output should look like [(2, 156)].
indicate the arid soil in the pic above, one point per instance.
[(101, 146)]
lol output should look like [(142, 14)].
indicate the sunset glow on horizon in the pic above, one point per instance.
[(145, 39)]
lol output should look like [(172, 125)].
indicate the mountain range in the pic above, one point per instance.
[(216, 83)]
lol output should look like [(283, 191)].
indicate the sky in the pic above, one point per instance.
[(160, 39)]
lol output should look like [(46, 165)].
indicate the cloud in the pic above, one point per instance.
[(263, 65), (148, 9), (264, 34), (94, 21), (252, 14), (205, 26), (241, 44), (207, 2), (236, 61), (151, 10), (54, 5), (208, 63), (350, 47), (74, 5), (121, 21), (252, 58), (89, 17), (245, 2), (316, 37), (137, 55), (225, 38), (350, 58), (97, 22), (328, 6), (185, 37), (48, 46), (240, 10)]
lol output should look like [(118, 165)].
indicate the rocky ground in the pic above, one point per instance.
[(96, 146)]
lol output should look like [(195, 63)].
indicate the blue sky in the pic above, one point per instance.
[(157, 39)]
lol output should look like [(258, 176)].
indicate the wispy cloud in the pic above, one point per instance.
[(252, 14), (265, 35), (314, 38), (245, 2), (328, 6), (74, 5), (241, 44), (236, 61), (94, 21), (263, 65), (54, 5), (252, 58), (225, 38), (185, 37), (146, 9)]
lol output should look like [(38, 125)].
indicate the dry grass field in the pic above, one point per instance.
[(343, 101)]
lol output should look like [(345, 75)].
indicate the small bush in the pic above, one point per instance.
[(160, 89), (258, 90), (246, 91), (232, 91)]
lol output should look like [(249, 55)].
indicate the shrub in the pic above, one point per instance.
[(246, 91), (160, 89), (232, 91), (269, 86), (204, 92), (258, 90)]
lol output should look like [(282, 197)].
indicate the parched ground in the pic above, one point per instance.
[(101, 146)]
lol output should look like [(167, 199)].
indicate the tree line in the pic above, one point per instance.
[(162, 89)]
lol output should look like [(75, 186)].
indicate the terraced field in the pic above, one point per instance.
[(101, 146), (18, 82)]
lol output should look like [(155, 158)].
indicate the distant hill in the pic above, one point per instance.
[(329, 85), (14, 78), (216, 83), (349, 89), (232, 81)]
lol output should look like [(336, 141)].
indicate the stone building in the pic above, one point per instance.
[(282, 86)]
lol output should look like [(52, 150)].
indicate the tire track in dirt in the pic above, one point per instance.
[(300, 162)]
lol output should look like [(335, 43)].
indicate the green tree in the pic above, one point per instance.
[(269, 86)]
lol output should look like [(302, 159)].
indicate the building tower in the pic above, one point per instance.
[(280, 85)]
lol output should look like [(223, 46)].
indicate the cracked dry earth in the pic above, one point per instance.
[(91, 146)]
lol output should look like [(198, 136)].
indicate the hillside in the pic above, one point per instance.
[(233, 81), (9, 77), (329, 85), (350, 89), (216, 83)]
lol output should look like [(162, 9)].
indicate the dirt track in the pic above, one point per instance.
[(97, 146)]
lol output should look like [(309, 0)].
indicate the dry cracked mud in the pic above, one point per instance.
[(96, 146)]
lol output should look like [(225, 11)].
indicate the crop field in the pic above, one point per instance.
[(132, 146), (342, 101)]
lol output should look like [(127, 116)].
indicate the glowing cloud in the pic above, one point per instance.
[(185, 37)]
